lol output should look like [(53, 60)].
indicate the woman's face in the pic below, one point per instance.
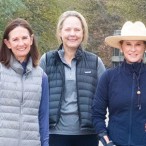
[(19, 42), (133, 50), (71, 33)]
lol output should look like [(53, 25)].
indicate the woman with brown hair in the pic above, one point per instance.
[(23, 89)]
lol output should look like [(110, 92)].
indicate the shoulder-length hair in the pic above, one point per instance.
[(67, 14), (5, 52)]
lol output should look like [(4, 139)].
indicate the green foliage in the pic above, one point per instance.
[(8, 10), (132, 10)]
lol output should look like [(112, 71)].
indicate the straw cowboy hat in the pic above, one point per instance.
[(129, 31)]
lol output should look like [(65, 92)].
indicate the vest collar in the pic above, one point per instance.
[(78, 54), (17, 67)]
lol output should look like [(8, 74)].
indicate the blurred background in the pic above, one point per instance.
[(104, 17)]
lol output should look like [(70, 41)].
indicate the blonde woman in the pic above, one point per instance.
[(73, 76)]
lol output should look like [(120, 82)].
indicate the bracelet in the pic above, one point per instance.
[(110, 143)]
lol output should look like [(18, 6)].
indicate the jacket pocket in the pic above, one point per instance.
[(118, 132)]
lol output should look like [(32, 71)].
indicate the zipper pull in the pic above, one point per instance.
[(140, 107)]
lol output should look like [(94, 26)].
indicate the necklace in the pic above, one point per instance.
[(138, 89)]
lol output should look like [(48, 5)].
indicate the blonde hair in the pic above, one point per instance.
[(67, 14)]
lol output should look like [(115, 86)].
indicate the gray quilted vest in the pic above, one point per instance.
[(20, 96)]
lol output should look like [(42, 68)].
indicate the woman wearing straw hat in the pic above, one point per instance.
[(123, 91)]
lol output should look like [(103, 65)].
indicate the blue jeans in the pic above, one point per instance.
[(73, 140)]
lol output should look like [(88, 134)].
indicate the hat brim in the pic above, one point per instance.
[(114, 41)]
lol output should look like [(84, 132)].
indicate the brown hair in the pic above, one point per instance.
[(5, 52)]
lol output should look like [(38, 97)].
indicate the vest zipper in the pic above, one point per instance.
[(60, 103), (20, 119), (78, 105)]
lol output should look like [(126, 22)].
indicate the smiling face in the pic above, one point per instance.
[(133, 50), (71, 32), (19, 42)]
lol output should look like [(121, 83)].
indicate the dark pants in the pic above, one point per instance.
[(73, 140)]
